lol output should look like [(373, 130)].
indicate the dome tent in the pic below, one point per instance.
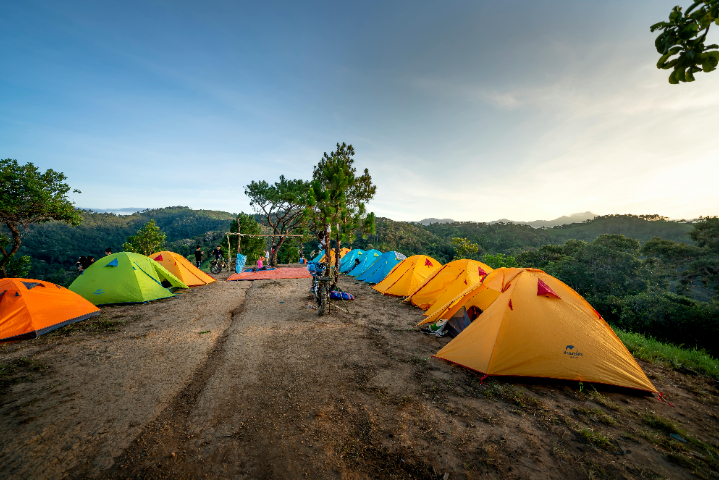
[(366, 261), (30, 308), (449, 281), (181, 267), (125, 278), (539, 327), (347, 262), (381, 268), (408, 276)]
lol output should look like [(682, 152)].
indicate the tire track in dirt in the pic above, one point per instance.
[(147, 456)]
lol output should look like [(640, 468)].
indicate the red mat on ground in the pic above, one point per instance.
[(276, 274)]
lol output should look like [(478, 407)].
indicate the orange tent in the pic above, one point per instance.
[(448, 282), (181, 267), (343, 252), (480, 295), (540, 327), (29, 308), (408, 275)]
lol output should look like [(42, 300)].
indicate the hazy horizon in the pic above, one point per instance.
[(470, 111)]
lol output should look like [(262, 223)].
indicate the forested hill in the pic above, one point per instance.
[(54, 247), (435, 239)]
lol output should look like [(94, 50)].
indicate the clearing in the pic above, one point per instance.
[(243, 380)]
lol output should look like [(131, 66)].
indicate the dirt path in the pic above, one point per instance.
[(273, 391), (96, 392)]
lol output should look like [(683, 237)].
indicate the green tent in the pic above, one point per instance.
[(125, 278)]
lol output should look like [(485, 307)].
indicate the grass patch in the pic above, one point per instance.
[(94, 325), (650, 350), (597, 415), (595, 438), (660, 423), (25, 369)]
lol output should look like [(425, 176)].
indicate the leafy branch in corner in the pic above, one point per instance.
[(684, 35)]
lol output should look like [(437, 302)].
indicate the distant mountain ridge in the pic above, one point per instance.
[(563, 220)]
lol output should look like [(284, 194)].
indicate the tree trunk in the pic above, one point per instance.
[(15, 246), (337, 260), (273, 253)]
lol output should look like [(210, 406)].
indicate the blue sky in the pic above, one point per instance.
[(470, 110)]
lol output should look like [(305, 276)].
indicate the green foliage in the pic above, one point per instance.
[(337, 199), (684, 35), (28, 197), (650, 350), (499, 260), (55, 246), (253, 247), (283, 207), (706, 233), (463, 248), (149, 239), (669, 317)]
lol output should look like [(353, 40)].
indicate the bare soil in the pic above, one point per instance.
[(244, 380)]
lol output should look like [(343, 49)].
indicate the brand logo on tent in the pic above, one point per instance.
[(98, 291), (569, 350)]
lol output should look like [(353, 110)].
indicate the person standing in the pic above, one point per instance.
[(108, 251), (198, 256)]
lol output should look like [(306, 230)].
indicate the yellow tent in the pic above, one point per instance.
[(180, 267), (448, 282), (540, 327), (408, 275), (343, 252), (480, 295)]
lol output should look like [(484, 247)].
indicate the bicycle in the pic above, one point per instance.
[(321, 281), (217, 265)]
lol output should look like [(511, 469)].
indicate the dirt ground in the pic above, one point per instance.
[(243, 380)]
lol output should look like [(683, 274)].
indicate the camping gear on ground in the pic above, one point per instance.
[(450, 327), (335, 295), (448, 282), (348, 261), (539, 327), (479, 295), (366, 261), (271, 274), (406, 277), (180, 267), (381, 267), (29, 308), (125, 278), (240, 263)]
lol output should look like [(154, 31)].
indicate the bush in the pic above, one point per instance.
[(669, 317)]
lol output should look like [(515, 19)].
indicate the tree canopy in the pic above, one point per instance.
[(337, 199), (148, 240), (29, 196), (685, 35), (282, 204)]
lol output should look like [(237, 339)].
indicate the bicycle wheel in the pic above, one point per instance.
[(323, 306), (216, 268)]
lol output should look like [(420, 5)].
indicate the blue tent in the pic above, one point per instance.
[(381, 268), (370, 256), (319, 256), (348, 261)]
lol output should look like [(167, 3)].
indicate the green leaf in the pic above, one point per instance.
[(672, 78), (679, 74), (662, 59), (689, 75)]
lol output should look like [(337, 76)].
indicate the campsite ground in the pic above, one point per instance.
[(243, 380)]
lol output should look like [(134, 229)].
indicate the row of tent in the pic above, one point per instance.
[(29, 308), (524, 322)]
